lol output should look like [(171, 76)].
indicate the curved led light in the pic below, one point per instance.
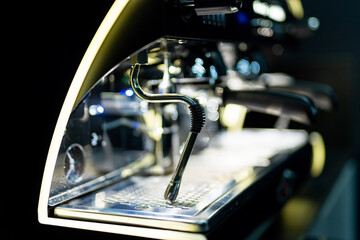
[(92, 55)]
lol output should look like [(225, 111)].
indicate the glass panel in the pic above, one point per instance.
[(112, 133)]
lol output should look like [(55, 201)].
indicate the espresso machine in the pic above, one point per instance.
[(150, 139)]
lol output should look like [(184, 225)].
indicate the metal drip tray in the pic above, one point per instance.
[(144, 196), (213, 179), (140, 201)]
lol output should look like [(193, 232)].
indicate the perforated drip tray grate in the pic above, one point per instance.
[(146, 196), (147, 193)]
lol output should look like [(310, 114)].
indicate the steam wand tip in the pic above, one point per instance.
[(197, 122), (172, 190)]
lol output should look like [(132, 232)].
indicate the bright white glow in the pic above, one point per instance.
[(92, 110), (100, 109), (313, 23), (96, 110), (213, 116), (143, 106), (235, 84), (202, 99), (174, 70), (261, 8), (274, 12), (212, 105), (277, 13), (94, 139), (277, 79), (170, 109), (99, 200), (129, 92), (199, 61), (233, 116)]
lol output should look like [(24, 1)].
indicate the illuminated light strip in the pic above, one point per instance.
[(113, 218), (126, 230), (83, 69)]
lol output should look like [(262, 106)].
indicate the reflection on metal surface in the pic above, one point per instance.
[(96, 110), (319, 154), (121, 128), (265, 32), (139, 200), (111, 177), (277, 13), (197, 122), (74, 163), (273, 11), (313, 23), (123, 136), (233, 116), (296, 8), (297, 216)]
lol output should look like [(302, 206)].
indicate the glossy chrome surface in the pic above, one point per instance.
[(160, 98), (111, 150), (173, 187), (117, 133), (205, 191), (172, 190)]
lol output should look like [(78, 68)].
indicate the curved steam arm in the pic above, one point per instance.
[(197, 122)]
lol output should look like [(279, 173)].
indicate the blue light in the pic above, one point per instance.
[(135, 125), (213, 72), (243, 66), (255, 67), (100, 109), (198, 68), (96, 110), (242, 18), (129, 92), (313, 23), (199, 61)]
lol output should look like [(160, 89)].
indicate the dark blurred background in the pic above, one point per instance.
[(59, 33), (332, 56)]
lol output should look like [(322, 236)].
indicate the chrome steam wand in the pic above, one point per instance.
[(197, 122)]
